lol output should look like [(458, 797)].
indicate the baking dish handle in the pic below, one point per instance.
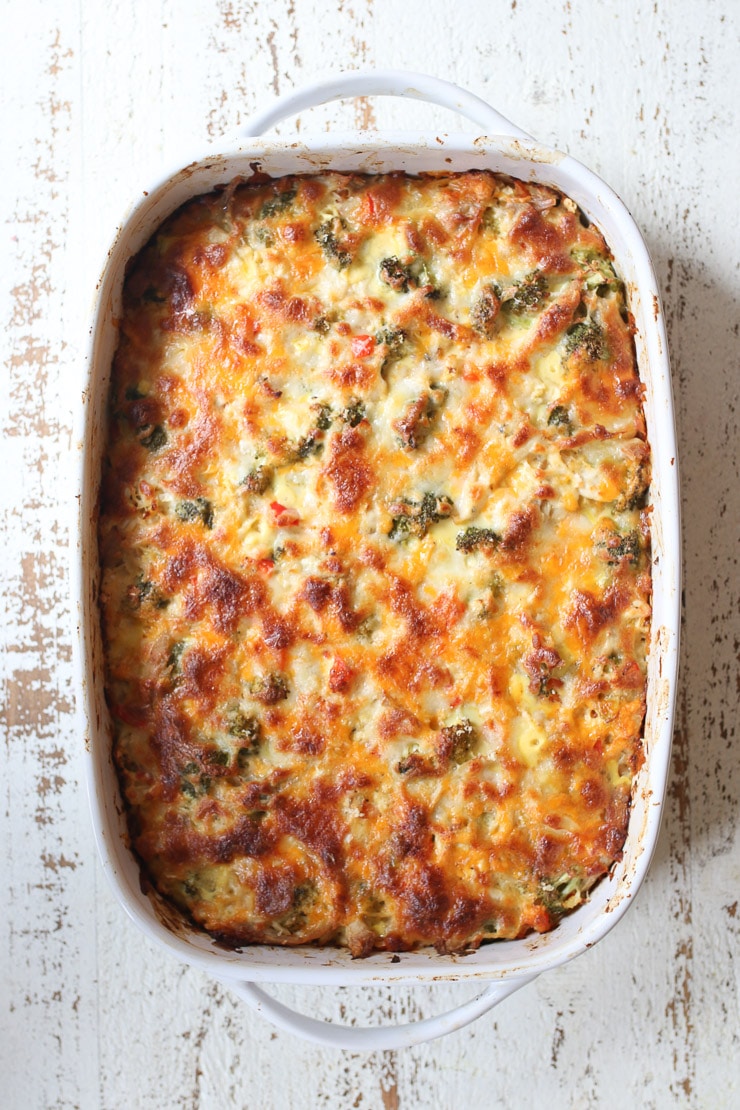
[(385, 82), (368, 1038)]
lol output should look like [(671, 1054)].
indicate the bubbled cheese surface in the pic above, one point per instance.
[(375, 560)]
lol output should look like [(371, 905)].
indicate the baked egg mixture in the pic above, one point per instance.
[(375, 560)]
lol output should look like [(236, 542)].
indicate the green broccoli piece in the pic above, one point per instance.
[(403, 276), (309, 445), (560, 895), (277, 203), (217, 757), (354, 414), (154, 439), (324, 418), (458, 741), (269, 689), (586, 339), (622, 547), (636, 487), (473, 539), (528, 294), (392, 338), (313, 443), (258, 480), (327, 236), (599, 274), (417, 517), (199, 509), (394, 273), (560, 418), (248, 729), (485, 310)]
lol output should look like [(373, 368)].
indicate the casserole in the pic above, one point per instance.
[(508, 966)]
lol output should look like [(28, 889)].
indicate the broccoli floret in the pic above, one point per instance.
[(144, 587), (217, 757), (199, 509), (414, 425), (435, 507), (269, 689), (424, 281), (599, 274), (263, 235), (313, 443), (636, 487), (327, 236), (560, 895), (277, 203), (154, 438), (458, 741), (472, 539), (248, 729), (245, 726), (586, 339), (521, 298), (485, 310), (405, 276), (258, 480), (393, 338), (528, 294), (559, 418), (324, 418), (393, 272), (417, 517), (621, 547), (354, 413), (309, 445), (304, 896), (144, 591), (394, 341)]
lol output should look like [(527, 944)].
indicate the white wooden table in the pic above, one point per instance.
[(94, 96)]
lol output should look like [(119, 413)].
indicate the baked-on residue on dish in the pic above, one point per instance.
[(375, 560)]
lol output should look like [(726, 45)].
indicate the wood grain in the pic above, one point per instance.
[(95, 97)]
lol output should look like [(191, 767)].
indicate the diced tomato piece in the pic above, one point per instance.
[(267, 566), (362, 346), (340, 676), (283, 516)]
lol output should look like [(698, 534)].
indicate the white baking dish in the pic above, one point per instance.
[(507, 965)]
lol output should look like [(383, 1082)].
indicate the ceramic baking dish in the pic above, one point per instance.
[(496, 145)]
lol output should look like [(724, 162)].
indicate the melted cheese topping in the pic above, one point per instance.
[(375, 572)]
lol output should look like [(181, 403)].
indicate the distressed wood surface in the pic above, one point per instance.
[(94, 96)]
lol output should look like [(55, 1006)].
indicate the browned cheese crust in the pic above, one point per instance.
[(375, 560)]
